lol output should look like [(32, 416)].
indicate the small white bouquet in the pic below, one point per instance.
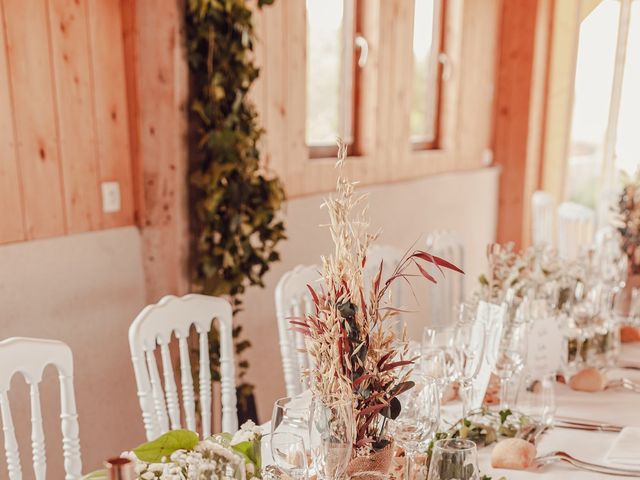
[(180, 455)]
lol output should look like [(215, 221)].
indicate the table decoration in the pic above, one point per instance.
[(356, 354), (181, 455)]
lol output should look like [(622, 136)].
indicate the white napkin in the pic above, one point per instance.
[(625, 449)]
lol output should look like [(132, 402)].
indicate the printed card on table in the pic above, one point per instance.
[(544, 354)]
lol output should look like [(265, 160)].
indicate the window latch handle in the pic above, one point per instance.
[(445, 61), (362, 45)]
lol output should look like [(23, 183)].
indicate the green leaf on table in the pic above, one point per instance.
[(504, 414), (163, 446), (250, 451), (97, 475)]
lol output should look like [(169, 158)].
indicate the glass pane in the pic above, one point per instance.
[(426, 45), (326, 83), (592, 96), (628, 138)]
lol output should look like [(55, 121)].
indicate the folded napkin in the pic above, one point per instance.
[(625, 449)]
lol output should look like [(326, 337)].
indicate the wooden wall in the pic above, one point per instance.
[(63, 117)]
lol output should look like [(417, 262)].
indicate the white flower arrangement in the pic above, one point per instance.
[(179, 455)]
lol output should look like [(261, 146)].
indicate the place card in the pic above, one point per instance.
[(492, 316), (544, 355)]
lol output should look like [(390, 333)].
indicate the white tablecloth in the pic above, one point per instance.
[(618, 407)]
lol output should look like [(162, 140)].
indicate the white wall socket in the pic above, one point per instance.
[(110, 197)]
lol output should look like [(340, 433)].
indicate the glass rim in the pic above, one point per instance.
[(461, 445), (282, 403)]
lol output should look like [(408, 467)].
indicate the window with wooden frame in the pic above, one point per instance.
[(335, 53), (428, 62), (604, 138)]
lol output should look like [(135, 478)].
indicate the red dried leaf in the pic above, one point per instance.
[(361, 379), (425, 274), (314, 295), (439, 262), (372, 409), (384, 359), (392, 365), (303, 331)]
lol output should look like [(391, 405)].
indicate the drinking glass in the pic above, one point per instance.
[(454, 459), (511, 358), (441, 340), (470, 340), (536, 398), (289, 455), (331, 436), (290, 415), (418, 420)]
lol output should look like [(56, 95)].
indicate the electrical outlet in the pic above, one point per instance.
[(110, 197)]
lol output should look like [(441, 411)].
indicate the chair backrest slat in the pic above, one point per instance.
[(205, 383), (155, 326), (542, 218), (10, 441), (293, 299), (30, 356), (188, 397), (576, 225), (159, 404), (37, 434), (170, 388)]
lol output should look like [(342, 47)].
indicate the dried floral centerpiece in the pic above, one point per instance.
[(627, 221), (355, 351)]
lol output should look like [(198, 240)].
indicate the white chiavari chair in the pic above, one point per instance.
[(153, 327), (30, 356), (575, 229), (293, 299), (449, 292), (542, 218)]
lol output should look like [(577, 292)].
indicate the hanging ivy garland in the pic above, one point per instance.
[(235, 223)]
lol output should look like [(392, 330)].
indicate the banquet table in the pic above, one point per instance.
[(612, 406)]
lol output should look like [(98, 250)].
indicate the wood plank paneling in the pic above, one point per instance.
[(110, 92), (11, 226), (516, 59), (71, 67), (35, 116)]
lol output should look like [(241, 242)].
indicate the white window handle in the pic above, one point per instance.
[(444, 59), (362, 44)]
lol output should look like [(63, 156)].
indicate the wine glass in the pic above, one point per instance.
[(289, 454), (454, 458), (418, 419), (290, 415), (511, 357), (536, 398), (331, 436), (470, 340), (436, 340)]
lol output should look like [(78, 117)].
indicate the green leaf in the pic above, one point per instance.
[(504, 414), (163, 446)]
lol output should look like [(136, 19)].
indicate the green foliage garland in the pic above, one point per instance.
[(234, 223)]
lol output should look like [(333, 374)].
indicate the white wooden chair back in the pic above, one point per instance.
[(542, 218), (293, 299), (30, 356), (153, 327), (449, 292), (391, 258), (575, 229)]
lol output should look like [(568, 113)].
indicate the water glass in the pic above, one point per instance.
[(454, 459), (511, 358), (290, 415), (418, 420), (331, 436), (289, 454), (441, 340), (536, 398), (470, 339)]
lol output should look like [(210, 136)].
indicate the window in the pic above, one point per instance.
[(331, 75), (606, 112), (427, 55)]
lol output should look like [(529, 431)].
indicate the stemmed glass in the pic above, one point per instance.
[(511, 357), (470, 340), (331, 436), (289, 454), (418, 420), (439, 356), (290, 415)]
